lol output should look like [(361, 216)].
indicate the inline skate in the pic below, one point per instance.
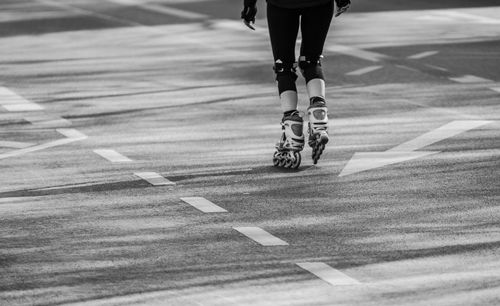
[(288, 149), (318, 127)]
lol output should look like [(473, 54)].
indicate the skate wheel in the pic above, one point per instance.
[(276, 159), (317, 151), (289, 159), (281, 160), (297, 159)]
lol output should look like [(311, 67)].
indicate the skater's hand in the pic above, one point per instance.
[(249, 12), (342, 6)]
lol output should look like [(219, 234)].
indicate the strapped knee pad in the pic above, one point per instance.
[(285, 75), (310, 67)]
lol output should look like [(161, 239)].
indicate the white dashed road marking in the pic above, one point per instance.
[(154, 178), (12, 102), (72, 133), (260, 236), (423, 55), (497, 89), (328, 274), (112, 156), (203, 205), (470, 79), (364, 70)]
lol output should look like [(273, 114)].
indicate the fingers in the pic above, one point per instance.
[(341, 10), (248, 24)]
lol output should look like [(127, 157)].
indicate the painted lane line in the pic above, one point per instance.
[(13, 102), (203, 205), (174, 12), (77, 10), (449, 130), (162, 9), (227, 24), (423, 55), (356, 52), (407, 68), (154, 178), (458, 16), (112, 156), (328, 274), (26, 107), (260, 236), (497, 89), (470, 79), (72, 133), (364, 70), (7, 96), (40, 147), (15, 144), (47, 121), (436, 67), (125, 2), (362, 161)]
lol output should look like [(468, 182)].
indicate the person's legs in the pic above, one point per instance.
[(314, 25), (283, 29)]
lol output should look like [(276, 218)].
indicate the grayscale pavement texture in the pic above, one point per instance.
[(136, 144)]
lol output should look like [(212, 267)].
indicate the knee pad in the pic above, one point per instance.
[(310, 67), (285, 75)]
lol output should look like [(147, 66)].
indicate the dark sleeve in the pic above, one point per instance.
[(248, 3)]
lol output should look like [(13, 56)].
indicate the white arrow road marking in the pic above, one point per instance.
[(260, 236), (15, 144), (371, 160), (72, 134), (362, 161), (328, 274), (446, 131)]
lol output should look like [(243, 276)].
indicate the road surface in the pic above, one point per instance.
[(136, 148)]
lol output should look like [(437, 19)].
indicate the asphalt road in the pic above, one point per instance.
[(136, 143)]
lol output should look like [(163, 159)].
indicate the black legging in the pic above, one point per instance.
[(283, 30)]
